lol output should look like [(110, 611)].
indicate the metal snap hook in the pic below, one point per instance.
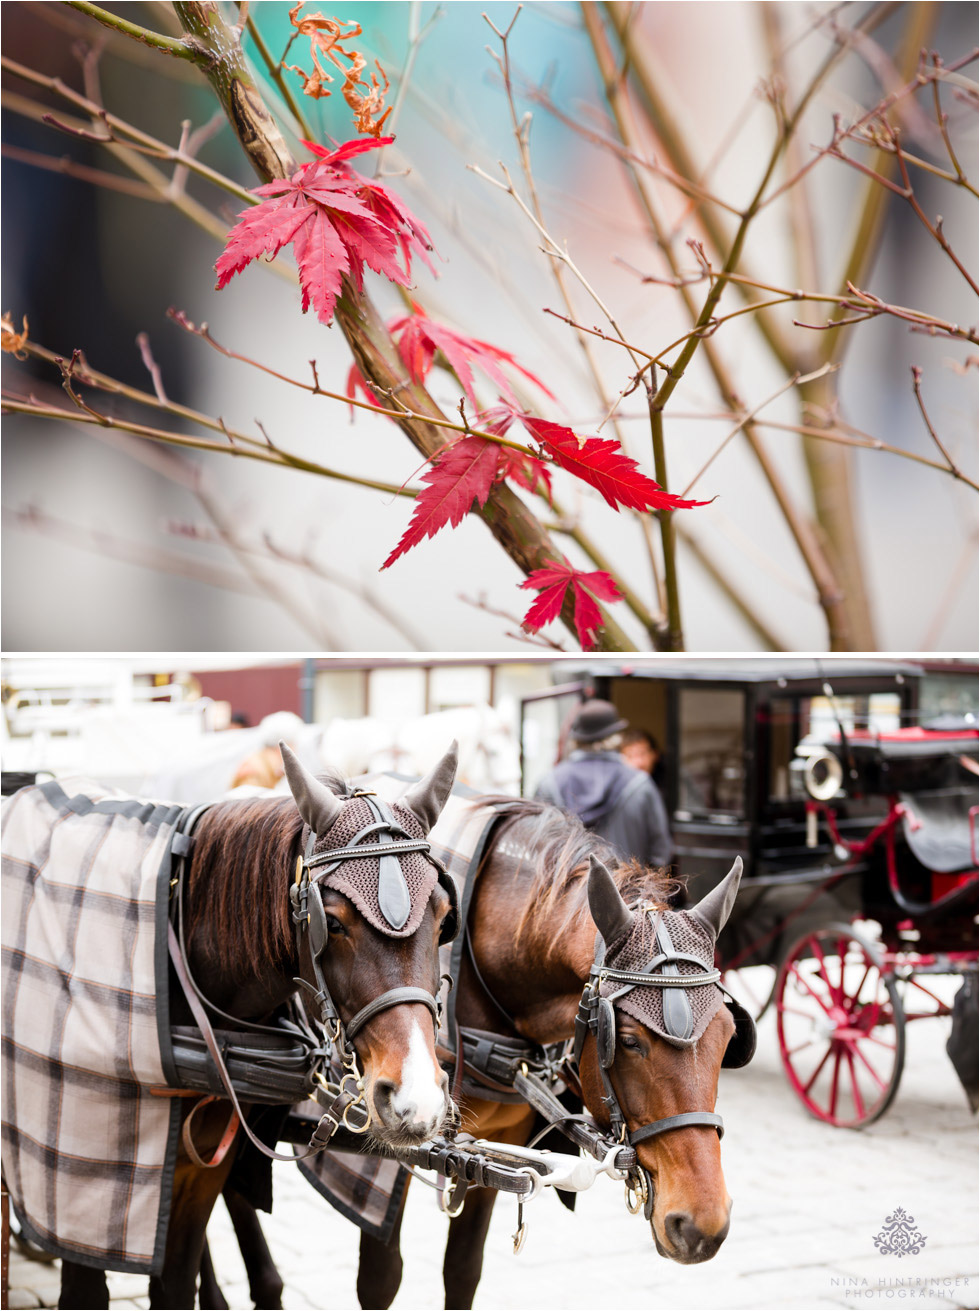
[(637, 1192), (520, 1233), (446, 1199), (361, 1106)]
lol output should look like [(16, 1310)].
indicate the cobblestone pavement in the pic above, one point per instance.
[(808, 1200)]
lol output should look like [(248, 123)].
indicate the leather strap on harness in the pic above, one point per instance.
[(204, 1024)]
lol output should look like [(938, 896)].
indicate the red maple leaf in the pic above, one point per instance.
[(419, 338), (337, 221), (553, 582), (523, 469), (460, 476), (601, 463)]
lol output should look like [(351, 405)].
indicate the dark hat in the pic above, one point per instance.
[(596, 720)]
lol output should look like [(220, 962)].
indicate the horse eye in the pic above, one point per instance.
[(335, 928), (630, 1043)]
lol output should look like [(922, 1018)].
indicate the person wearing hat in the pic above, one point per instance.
[(620, 803)]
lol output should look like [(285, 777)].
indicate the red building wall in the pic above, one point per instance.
[(258, 691)]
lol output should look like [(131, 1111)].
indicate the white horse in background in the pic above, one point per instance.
[(489, 756)]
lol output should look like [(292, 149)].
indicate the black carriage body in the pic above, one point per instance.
[(732, 784)]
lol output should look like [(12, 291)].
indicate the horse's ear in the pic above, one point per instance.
[(611, 914), (316, 803), (714, 909), (426, 798)]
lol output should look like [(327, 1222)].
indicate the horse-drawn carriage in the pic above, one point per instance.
[(851, 795)]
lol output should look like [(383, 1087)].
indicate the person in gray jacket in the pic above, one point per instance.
[(620, 803)]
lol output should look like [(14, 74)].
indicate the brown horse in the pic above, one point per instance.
[(539, 898), (541, 891), (242, 950)]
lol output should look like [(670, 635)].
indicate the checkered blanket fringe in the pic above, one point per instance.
[(88, 1154), (369, 1189)]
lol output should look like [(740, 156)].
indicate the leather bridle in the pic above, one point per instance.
[(390, 841), (596, 1016), (344, 1101)]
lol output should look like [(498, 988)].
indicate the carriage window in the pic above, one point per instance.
[(711, 750), (880, 712)]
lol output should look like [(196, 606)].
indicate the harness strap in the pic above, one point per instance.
[(393, 997), (706, 1119), (466, 897), (227, 1138), (393, 848), (204, 1024)]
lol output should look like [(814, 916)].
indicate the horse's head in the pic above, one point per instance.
[(654, 1053), (370, 928)]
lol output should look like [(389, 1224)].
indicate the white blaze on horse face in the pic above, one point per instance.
[(420, 1098)]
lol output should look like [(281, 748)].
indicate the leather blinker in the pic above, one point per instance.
[(450, 925), (605, 1035), (741, 1046), (317, 923)]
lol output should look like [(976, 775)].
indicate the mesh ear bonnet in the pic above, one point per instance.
[(689, 1009), (361, 880)]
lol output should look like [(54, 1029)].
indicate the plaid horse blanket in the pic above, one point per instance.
[(88, 1153), (369, 1189)]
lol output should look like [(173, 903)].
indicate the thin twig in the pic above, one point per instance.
[(796, 380), (143, 342), (136, 139), (553, 249), (71, 168), (127, 550), (530, 639), (169, 46), (401, 412), (917, 389), (416, 35)]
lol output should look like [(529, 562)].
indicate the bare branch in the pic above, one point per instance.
[(479, 602)]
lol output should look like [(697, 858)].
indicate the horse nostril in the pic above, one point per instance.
[(384, 1091), (682, 1232)]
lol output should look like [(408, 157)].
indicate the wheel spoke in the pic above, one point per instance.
[(943, 1008), (791, 1051), (868, 1066), (821, 964), (858, 1099), (793, 1010), (857, 991), (815, 995), (835, 1079), (880, 1042), (842, 945), (813, 1077)]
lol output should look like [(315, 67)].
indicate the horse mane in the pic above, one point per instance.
[(236, 900), (560, 845)]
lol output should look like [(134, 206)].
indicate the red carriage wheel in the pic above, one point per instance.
[(841, 1026)]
